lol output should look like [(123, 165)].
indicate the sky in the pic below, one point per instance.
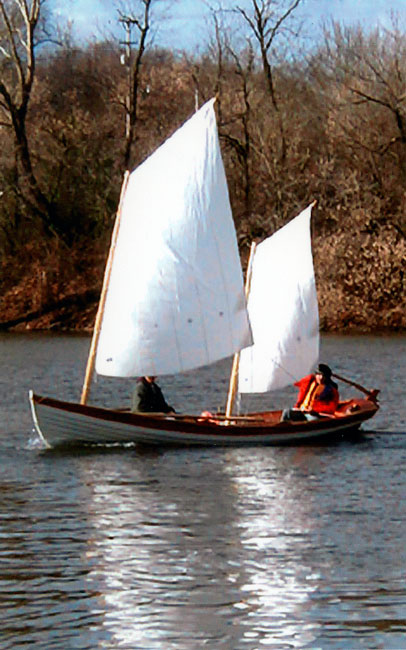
[(187, 28)]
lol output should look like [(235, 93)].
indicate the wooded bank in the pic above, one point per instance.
[(330, 126), (37, 303)]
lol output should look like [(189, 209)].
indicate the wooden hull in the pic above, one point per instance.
[(59, 423)]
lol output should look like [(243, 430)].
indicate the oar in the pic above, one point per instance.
[(372, 394)]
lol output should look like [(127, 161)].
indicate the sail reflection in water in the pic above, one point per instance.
[(165, 557), (273, 526), (236, 571)]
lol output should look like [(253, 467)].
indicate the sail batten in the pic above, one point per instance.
[(176, 297), (283, 310)]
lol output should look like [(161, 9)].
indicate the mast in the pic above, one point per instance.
[(102, 301), (236, 359)]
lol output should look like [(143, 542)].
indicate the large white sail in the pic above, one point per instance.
[(283, 310), (175, 299)]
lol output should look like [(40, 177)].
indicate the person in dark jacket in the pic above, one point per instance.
[(148, 397), (318, 396)]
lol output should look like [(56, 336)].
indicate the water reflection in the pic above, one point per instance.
[(200, 548), (42, 534), (274, 527), (316, 570), (164, 553)]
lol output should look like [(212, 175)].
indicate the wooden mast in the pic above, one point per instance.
[(102, 301), (236, 359)]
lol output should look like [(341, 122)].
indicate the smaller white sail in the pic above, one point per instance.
[(176, 297), (283, 310)]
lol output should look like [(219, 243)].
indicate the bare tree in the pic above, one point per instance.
[(244, 65), (364, 83), (140, 20), (19, 25), (370, 70), (268, 19), (137, 19)]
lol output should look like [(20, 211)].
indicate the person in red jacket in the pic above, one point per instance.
[(318, 396)]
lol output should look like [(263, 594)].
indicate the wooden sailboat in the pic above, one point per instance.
[(173, 299)]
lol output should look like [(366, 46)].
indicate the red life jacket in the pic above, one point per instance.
[(321, 398)]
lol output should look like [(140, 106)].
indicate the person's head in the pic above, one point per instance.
[(150, 379), (323, 373)]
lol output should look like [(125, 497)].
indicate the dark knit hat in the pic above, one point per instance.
[(324, 370)]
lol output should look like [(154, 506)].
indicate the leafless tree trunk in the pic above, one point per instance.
[(267, 20), (140, 20), (19, 21), (242, 145), (227, 59)]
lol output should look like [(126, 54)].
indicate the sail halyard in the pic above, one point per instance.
[(176, 296), (283, 310)]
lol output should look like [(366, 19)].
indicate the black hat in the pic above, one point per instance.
[(324, 370)]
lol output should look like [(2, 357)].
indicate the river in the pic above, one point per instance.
[(181, 549)]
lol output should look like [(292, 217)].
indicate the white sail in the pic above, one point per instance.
[(176, 298), (283, 310)]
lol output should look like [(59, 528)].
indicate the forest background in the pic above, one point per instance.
[(300, 119)]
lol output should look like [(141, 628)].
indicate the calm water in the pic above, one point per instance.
[(237, 549)]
